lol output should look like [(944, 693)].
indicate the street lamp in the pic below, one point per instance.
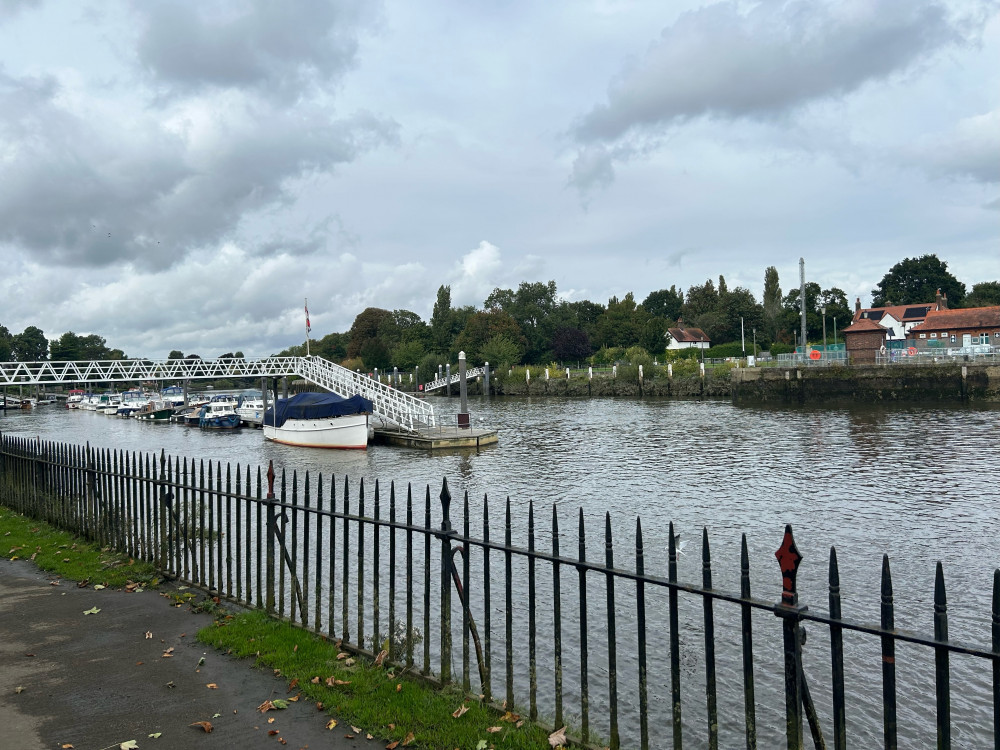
[(823, 311)]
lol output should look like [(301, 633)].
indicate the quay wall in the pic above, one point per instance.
[(875, 383), (939, 382)]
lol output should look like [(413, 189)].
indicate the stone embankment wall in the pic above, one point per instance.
[(956, 383), (713, 385)]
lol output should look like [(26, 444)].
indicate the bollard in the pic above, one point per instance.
[(463, 392)]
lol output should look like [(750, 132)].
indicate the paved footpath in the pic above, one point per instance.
[(96, 681)]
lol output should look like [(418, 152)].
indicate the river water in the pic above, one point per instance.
[(915, 482)]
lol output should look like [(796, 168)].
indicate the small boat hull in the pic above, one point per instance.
[(220, 422), (349, 432)]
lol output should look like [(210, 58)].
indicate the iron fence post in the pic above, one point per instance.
[(791, 613), (446, 534), (271, 524)]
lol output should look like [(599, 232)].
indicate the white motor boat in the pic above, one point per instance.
[(319, 420)]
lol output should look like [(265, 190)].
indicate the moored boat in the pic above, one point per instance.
[(219, 414), (319, 420)]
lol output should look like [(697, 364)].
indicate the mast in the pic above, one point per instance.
[(307, 326)]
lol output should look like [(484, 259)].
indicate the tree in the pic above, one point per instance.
[(66, 348), (368, 326), (739, 314), (442, 320), (6, 344), (916, 280), (772, 309), (483, 326), (30, 345), (570, 344), (983, 294), (176, 354), (665, 303), (332, 347), (621, 323), (500, 351)]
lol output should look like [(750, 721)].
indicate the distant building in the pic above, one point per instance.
[(970, 329), (683, 337), (875, 330)]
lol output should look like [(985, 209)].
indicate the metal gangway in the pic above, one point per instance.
[(390, 405), (475, 372)]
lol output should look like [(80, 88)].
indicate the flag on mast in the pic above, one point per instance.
[(308, 327)]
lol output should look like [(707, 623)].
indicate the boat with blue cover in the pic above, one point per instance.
[(319, 420)]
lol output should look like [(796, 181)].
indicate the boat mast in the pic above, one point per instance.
[(307, 327)]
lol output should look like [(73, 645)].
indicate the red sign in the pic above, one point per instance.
[(814, 354)]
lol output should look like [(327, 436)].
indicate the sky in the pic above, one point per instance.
[(184, 175)]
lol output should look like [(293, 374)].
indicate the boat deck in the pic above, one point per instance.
[(436, 438)]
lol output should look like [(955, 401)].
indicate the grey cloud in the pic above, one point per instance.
[(10, 8), (280, 48), (722, 61), (85, 192)]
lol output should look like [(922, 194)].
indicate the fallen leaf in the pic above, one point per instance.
[(293, 684), (271, 720), (296, 647), (399, 686), (408, 739), (212, 686), (149, 634), (92, 611), (558, 738), (18, 690), (331, 724), (494, 730), (392, 745), (280, 704), (315, 680), (129, 745), (67, 746), (380, 659), (294, 698), (460, 710), (348, 662), (84, 583), (216, 716), (509, 717), (355, 729), (99, 586), (206, 725), (342, 655), (369, 736), (171, 684), (481, 745), (156, 735), (319, 705), (272, 732), (265, 706)]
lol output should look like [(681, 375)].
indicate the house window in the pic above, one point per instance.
[(953, 338), (996, 334), (923, 335), (933, 335), (984, 338)]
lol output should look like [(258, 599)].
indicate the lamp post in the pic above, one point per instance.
[(823, 312), (834, 331)]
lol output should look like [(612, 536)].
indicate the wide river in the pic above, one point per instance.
[(918, 483)]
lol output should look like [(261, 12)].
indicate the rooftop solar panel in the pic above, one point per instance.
[(916, 312)]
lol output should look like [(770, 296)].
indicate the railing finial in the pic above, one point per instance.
[(788, 559)]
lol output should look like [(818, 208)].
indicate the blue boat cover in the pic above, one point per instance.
[(314, 406)]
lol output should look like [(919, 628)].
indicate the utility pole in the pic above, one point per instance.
[(802, 301)]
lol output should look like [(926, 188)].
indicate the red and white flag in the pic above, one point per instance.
[(308, 327)]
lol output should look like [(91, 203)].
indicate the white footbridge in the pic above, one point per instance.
[(475, 372), (392, 406)]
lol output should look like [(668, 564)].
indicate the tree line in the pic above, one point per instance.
[(532, 325)]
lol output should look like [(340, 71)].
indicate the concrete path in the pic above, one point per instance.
[(95, 681)]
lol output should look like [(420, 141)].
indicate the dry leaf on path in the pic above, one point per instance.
[(206, 725), (408, 740), (212, 686), (460, 710), (331, 724)]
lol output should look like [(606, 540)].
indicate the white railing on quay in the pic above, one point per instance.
[(388, 403)]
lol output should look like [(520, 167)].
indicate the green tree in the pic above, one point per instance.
[(368, 326), (772, 307), (622, 323), (501, 352), (570, 344), (483, 326), (739, 313), (664, 303), (408, 354), (30, 345), (6, 344), (66, 348), (443, 321), (176, 354), (916, 280), (332, 347), (983, 294)]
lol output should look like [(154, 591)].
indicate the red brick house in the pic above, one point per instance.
[(970, 329), (864, 339)]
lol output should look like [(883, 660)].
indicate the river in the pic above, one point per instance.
[(915, 482)]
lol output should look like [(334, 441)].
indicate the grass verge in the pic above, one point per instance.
[(376, 700), (381, 701), (68, 556)]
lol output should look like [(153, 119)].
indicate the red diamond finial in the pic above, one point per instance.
[(788, 559), (270, 479)]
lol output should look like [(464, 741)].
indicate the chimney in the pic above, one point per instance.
[(937, 300), (680, 323), (857, 305), (944, 301)]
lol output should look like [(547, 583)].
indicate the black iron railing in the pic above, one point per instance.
[(584, 642)]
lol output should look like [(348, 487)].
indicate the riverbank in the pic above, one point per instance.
[(944, 383)]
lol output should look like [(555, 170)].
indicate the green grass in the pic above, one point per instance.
[(385, 702), (68, 556), (381, 701)]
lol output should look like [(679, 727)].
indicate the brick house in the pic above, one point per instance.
[(863, 340), (874, 327), (968, 329)]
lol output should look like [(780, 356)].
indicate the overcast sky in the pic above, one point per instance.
[(181, 175)]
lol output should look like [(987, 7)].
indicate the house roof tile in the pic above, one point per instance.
[(687, 334), (970, 317)]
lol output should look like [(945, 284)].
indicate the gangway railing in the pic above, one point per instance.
[(475, 372), (388, 403)]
